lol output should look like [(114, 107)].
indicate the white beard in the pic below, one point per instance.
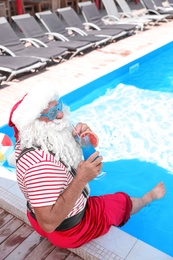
[(56, 137)]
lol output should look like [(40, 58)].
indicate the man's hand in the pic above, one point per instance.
[(89, 169), (80, 128)]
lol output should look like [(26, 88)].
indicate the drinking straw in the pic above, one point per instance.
[(77, 137)]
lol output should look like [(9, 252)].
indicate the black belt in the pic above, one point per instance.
[(67, 223)]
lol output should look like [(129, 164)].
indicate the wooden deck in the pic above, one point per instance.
[(18, 241)]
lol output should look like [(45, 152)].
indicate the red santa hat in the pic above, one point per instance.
[(10, 123), (26, 110)]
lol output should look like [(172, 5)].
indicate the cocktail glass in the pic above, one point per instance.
[(88, 149)]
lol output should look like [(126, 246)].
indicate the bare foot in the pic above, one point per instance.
[(156, 193)]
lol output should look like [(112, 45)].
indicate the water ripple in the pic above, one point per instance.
[(132, 123)]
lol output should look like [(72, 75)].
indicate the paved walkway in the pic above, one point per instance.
[(81, 69)]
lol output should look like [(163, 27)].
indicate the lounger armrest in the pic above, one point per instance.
[(26, 40), (152, 11), (160, 8), (128, 15), (5, 49), (37, 43), (92, 25), (164, 8), (110, 17), (168, 8), (142, 13), (57, 36), (76, 30)]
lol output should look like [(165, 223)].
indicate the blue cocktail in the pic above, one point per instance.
[(88, 149)]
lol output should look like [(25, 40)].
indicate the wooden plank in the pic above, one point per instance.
[(14, 240), (4, 217), (1, 210), (20, 241), (41, 251), (58, 254), (9, 228), (72, 256), (26, 247)]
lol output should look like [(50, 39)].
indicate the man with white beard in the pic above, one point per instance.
[(54, 178)]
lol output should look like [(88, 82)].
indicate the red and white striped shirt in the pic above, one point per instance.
[(42, 179)]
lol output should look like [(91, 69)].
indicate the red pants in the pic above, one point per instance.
[(101, 213)]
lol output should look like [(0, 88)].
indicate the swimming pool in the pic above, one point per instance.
[(133, 119), (131, 110)]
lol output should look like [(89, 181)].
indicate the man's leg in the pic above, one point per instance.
[(156, 193)]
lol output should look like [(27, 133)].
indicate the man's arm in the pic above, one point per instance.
[(50, 217)]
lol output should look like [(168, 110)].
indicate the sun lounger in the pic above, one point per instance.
[(11, 44), (151, 8), (13, 66), (141, 15), (159, 6), (31, 29), (55, 26), (92, 15), (170, 2), (125, 9), (75, 24), (113, 16)]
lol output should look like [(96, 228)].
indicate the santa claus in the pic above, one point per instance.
[(54, 178)]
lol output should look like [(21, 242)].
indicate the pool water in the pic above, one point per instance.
[(131, 110)]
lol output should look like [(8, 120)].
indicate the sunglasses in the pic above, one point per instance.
[(53, 111)]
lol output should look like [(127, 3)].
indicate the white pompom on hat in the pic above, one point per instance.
[(33, 104)]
